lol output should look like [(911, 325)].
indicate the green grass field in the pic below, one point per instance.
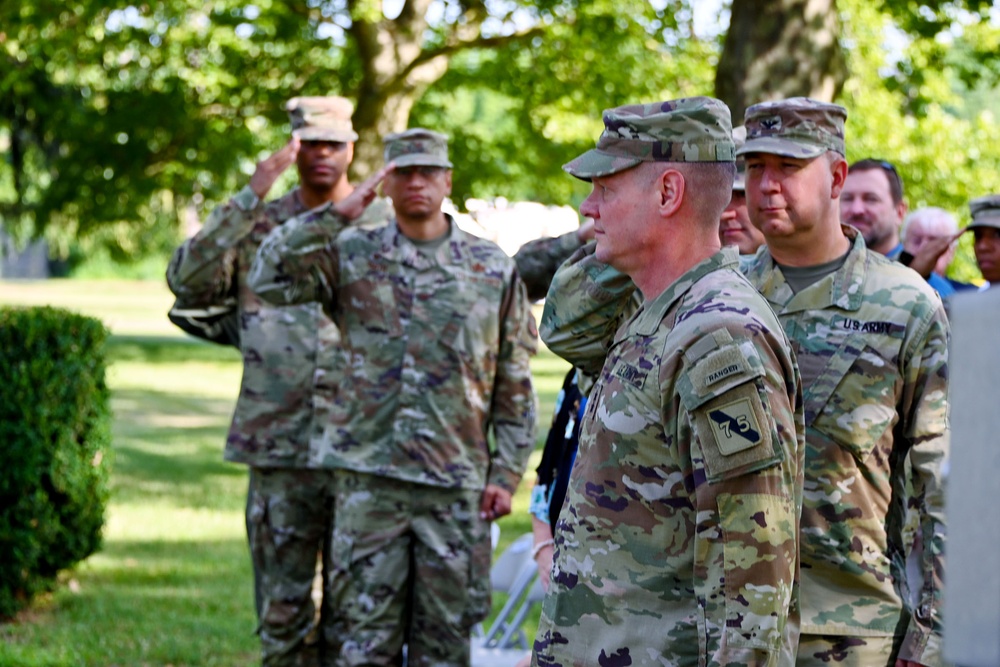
[(172, 585)]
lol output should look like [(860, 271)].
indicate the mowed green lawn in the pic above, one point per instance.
[(172, 585)]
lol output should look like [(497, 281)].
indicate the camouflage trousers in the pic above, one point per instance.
[(290, 516), (841, 651), (416, 560)]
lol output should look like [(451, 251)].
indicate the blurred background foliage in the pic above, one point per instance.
[(121, 124)]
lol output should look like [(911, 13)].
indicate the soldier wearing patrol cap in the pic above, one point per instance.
[(871, 341), (438, 332), (290, 374), (735, 227), (986, 228), (689, 452)]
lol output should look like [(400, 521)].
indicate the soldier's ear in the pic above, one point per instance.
[(671, 187), (838, 169)]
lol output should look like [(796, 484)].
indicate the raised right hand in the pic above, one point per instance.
[(270, 168), (354, 204)]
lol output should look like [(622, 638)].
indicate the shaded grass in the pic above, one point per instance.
[(172, 584)]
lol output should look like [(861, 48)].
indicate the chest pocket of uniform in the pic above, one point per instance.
[(724, 394), (472, 328), (852, 401), (371, 315)]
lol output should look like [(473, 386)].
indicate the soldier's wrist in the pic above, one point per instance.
[(541, 546), (246, 199)]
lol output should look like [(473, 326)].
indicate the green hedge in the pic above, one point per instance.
[(55, 434)]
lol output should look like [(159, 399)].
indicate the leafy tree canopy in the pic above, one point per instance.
[(118, 120)]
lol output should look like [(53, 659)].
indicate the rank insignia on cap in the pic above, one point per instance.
[(772, 123), (735, 426)]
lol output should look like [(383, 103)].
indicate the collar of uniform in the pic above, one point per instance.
[(395, 246), (849, 282), (845, 286), (648, 319)]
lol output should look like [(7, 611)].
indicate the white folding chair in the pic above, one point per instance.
[(515, 573)]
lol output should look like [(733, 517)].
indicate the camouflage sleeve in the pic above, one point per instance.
[(587, 302), (925, 406), (297, 261), (514, 405), (750, 454), (201, 271), (538, 260)]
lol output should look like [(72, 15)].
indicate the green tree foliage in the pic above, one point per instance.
[(930, 127), (119, 121), (518, 113)]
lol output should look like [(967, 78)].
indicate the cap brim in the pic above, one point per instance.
[(323, 134), (785, 147), (421, 160), (992, 223), (596, 163)]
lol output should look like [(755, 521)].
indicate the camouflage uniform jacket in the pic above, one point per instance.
[(677, 544), (871, 342), (438, 350), (538, 260), (288, 374)]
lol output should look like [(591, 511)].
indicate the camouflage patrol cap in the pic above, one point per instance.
[(739, 138), (797, 127), (694, 129), (985, 212), (321, 118), (417, 147)]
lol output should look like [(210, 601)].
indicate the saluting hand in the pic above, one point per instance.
[(930, 252), (270, 168), (354, 204)]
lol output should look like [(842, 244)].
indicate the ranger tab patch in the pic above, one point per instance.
[(735, 426)]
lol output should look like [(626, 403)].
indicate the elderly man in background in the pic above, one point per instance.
[(929, 240)]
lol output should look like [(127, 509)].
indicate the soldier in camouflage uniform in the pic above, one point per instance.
[(871, 340), (677, 543), (986, 228), (438, 333), (290, 373), (735, 227)]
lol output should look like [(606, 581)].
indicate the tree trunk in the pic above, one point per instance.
[(780, 48), (383, 109)]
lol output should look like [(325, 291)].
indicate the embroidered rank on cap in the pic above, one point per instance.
[(772, 123), (735, 427)]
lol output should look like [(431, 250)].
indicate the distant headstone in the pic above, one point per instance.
[(972, 574), (31, 262)]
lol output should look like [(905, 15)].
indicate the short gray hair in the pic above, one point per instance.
[(929, 215)]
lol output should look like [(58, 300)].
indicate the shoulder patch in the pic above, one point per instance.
[(736, 433)]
